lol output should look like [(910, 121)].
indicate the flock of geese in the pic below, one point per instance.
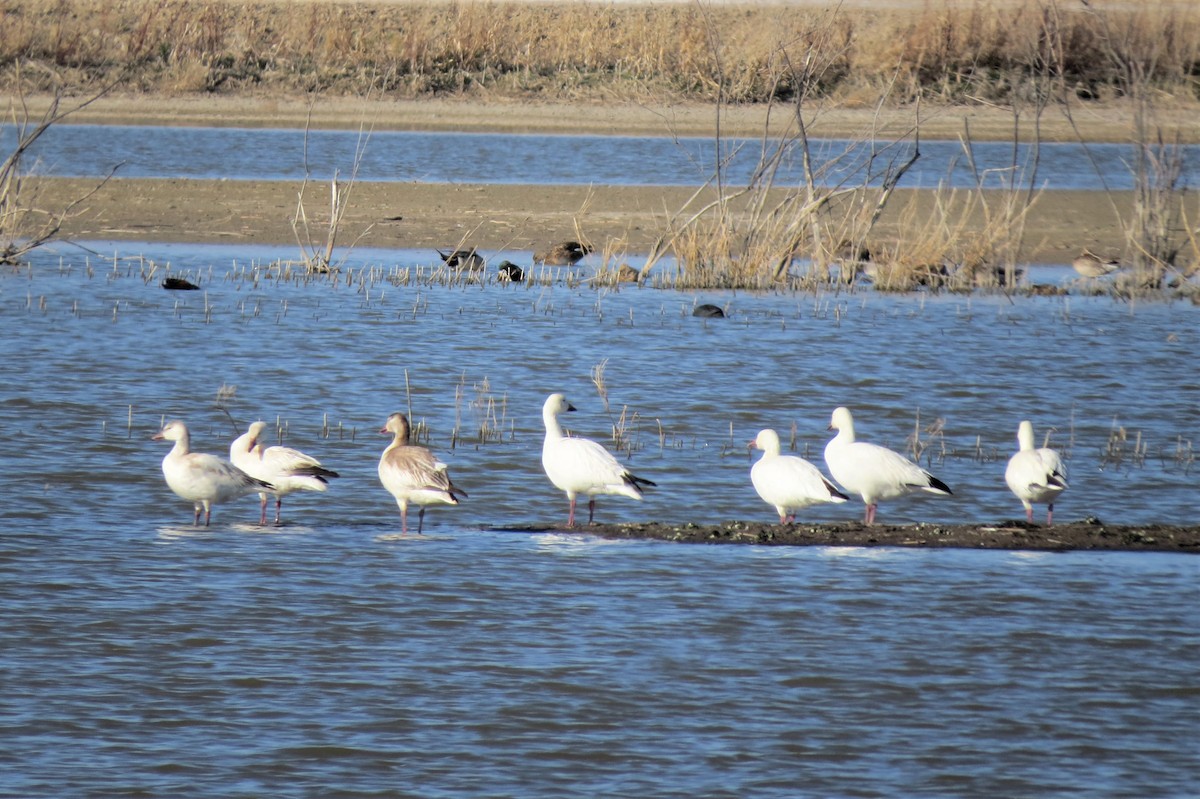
[(578, 466)]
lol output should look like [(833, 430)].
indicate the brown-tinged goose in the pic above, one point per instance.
[(411, 473)]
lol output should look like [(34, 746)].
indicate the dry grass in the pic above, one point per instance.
[(961, 52), (1023, 56)]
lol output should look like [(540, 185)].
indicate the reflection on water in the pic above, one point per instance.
[(142, 656), (241, 154)]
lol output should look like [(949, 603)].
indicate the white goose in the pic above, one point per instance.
[(786, 482), (200, 478), (1035, 475), (285, 468), (580, 465), (411, 473), (871, 471)]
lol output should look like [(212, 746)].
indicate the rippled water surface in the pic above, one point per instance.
[(82, 150), (329, 657)]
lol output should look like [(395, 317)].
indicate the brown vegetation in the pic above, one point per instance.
[(796, 63), (965, 52)]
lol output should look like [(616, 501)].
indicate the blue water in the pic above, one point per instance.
[(277, 154), (100, 342), (329, 657), (142, 659)]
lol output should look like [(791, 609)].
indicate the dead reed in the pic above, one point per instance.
[(489, 412), (1025, 56), (626, 427), (1123, 449), (25, 224), (931, 447), (959, 52)]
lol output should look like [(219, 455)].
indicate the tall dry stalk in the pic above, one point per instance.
[(600, 383), (972, 238), (1155, 232), (317, 249), (734, 233), (1155, 229), (24, 226)]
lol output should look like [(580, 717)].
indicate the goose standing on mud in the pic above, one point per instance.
[(283, 467), (1035, 474), (786, 482), (205, 480), (871, 471), (580, 465), (411, 473)]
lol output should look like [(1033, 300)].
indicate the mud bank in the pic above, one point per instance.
[(1087, 534)]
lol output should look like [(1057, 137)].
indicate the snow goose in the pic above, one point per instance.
[(580, 465), (200, 478), (786, 482), (1035, 475), (285, 468), (411, 473), (871, 471)]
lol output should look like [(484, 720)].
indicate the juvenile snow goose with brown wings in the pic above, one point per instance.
[(411, 473)]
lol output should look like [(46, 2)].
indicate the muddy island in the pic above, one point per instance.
[(1086, 534)]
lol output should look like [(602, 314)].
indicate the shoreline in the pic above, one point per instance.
[(498, 217), (1101, 122), (493, 217)]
